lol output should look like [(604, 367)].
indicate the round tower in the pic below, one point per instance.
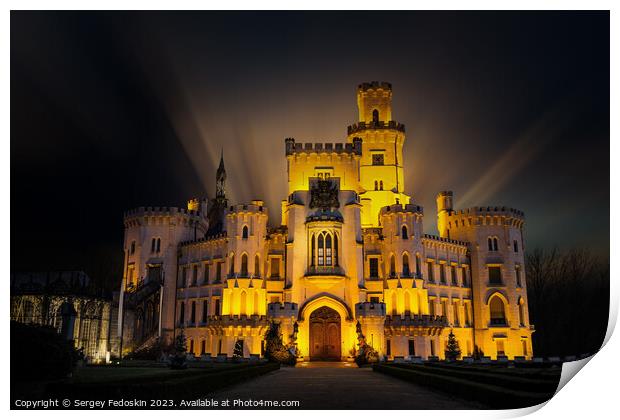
[(444, 207), (381, 142), (374, 102)]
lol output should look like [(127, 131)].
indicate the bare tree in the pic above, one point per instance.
[(568, 295)]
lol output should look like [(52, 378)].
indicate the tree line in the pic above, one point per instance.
[(568, 294)]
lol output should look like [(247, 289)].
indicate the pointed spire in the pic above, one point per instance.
[(220, 177)]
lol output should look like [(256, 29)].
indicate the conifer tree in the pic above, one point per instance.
[(453, 351)]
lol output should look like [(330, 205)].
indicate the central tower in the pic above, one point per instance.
[(381, 164)]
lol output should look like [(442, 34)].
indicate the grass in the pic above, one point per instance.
[(115, 382)]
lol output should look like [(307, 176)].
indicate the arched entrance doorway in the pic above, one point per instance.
[(325, 334)]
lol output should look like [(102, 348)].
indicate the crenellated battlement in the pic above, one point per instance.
[(354, 148), (368, 309), (211, 238), (282, 310), (488, 211), (399, 208), (375, 125), (255, 207), (439, 239), (160, 211), (374, 85)]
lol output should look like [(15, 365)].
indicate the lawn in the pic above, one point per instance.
[(142, 382)]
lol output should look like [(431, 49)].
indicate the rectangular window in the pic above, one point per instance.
[(432, 347), (373, 265), (130, 271), (453, 275), (495, 275), (328, 256), (219, 346), (466, 310), (464, 275), (524, 346), (205, 310), (431, 274), (411, 348), (377, 159), (500, 347), (206, 274), (194, 275), (518, 275), (455, 307), (444, 307), (442, 273), (431, 307), (275, 268), (203, 347), (274, 299), (216, 307), (218, 272), (184, 277), (388, 347), (193, 313), (191, 346), (516, 246), (375, 299)]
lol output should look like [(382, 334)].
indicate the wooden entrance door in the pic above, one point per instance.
[(325, 334)]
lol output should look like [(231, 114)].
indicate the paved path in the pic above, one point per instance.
[(332, 385)]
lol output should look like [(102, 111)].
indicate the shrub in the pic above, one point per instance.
[(275, 350), (39, 352)]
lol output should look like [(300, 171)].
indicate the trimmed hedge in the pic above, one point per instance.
[(490, 395), (191, 384), (506, 380)]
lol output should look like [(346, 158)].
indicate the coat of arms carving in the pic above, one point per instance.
[(324, 195)]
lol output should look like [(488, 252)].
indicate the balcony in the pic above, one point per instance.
[(498, 322), (324, 271), (415, 324)]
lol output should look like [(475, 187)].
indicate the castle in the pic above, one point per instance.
[(351, 249)]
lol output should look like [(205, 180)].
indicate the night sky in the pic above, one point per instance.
[(111, 111)]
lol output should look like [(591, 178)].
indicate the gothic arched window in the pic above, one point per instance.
[(404, 233), (324, 249), (375, 115), (495, 247), (381, 185), (335, 250), (256, 266), (406, 270), (328, 249), (232, 265), (245, 232), (244, 265), (418, 265), (392, 266), (158, 244), (497, 311), (376, 185), (490, 243), (313, 251)]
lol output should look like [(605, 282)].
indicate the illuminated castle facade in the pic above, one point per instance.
[(351, 248)]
